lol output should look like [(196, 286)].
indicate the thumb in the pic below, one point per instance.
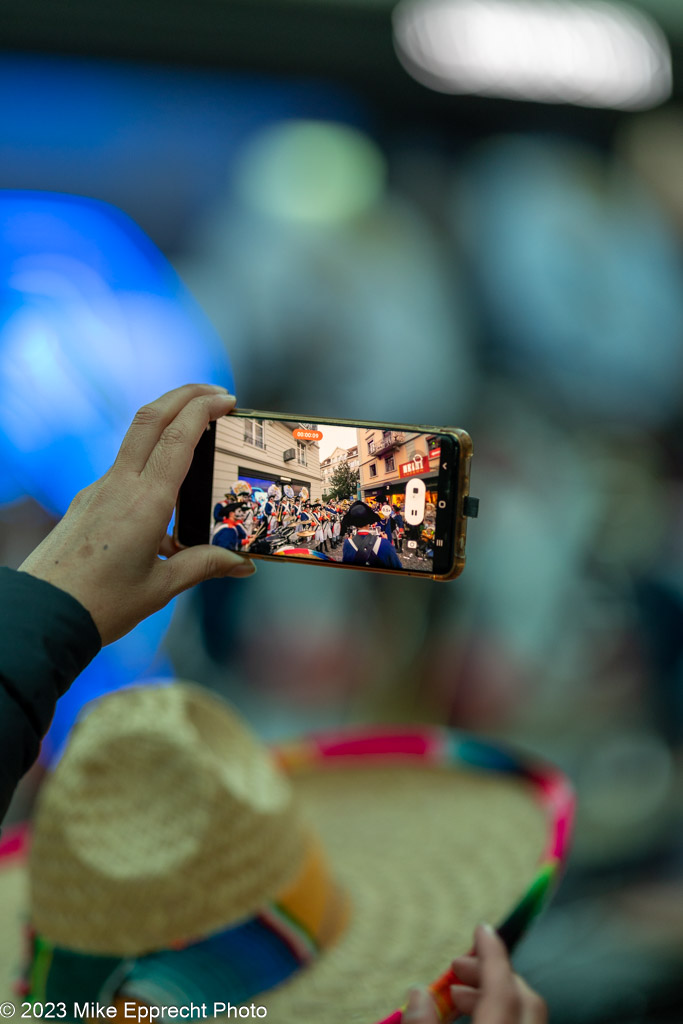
[(205, 562)]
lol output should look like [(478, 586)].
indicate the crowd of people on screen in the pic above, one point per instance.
[(371, 533)]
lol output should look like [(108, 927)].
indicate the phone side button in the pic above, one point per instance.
[(470, 506)]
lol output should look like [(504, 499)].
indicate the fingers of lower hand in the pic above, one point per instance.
[(465, 998), (492, 955), (534, 1009), (505, 997), (420, 1008), (511, 1003), (466, 970)]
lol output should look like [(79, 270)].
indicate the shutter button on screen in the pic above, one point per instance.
[(415, 502)]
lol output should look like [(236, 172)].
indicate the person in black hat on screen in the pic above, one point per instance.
[(366, 546)]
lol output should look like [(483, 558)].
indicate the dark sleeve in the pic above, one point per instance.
[(46, 639)]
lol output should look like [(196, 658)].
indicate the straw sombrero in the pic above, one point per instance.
[(175, 860)]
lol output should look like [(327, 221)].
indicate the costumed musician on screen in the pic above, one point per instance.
[(323, 529), (284, 512), (270, 508), (397, 526), (367, 546), (240, 492), (306, 521), (230, 533)]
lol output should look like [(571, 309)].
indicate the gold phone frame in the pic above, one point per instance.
[(463, 489)]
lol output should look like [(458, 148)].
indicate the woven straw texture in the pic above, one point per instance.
[(425, 854), (146, 811)]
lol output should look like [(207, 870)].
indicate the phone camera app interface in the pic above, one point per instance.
[(362, 496)]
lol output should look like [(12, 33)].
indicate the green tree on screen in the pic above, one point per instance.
[(343, 483)]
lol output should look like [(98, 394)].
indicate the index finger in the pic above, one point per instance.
[(171, 457), (497, 979), (152, 419)]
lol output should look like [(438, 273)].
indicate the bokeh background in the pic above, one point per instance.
[(484, 243)]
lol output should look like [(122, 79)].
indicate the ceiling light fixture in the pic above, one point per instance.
[(593, 54)]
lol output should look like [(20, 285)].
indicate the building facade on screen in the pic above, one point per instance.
[(265, 452)]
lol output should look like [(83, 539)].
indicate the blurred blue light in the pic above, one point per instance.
[(94, 322)]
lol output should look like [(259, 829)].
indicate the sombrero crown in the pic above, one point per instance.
[(168, 815)]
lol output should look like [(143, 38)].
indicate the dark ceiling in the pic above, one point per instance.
[(349, 42)]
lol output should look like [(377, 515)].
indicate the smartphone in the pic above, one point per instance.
[(383, 497)]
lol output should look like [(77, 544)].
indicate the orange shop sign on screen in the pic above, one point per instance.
[(305, 434), (418, 464)]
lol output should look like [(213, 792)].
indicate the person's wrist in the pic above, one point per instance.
[(64, 588)]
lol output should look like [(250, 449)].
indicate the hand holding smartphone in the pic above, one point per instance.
[(384, 497)]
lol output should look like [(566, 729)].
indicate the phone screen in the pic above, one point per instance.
[(378, 497)]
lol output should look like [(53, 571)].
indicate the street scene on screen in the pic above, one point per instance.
[(316, 490)]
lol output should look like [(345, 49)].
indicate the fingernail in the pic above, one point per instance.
[(220, 388), (245, 568), (416, 1005), (484, 928)]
